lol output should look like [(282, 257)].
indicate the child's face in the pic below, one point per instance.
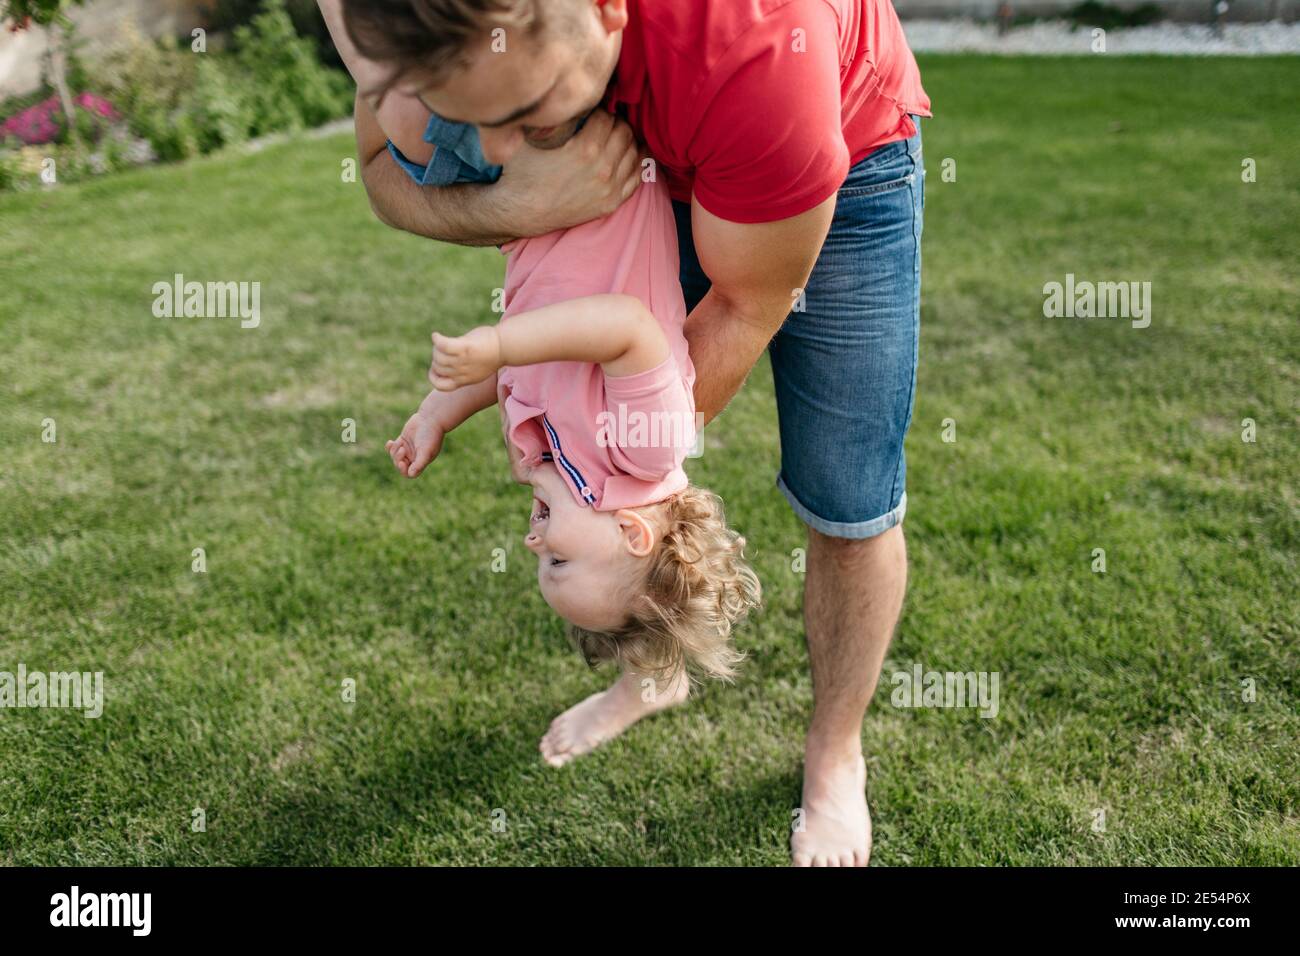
[(588, 560)]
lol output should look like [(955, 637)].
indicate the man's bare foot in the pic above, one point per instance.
[(836, 822), (601, 717)]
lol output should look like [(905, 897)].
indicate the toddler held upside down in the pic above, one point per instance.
[(638, 561)]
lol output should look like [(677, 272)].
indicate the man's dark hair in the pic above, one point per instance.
[(430, 37)]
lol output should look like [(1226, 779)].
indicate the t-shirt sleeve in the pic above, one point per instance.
[(650, 421), (769, 142)]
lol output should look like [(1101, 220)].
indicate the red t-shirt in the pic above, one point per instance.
[(759, 107)]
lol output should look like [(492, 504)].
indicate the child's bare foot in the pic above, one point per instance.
[(836, 822), (603, 716)]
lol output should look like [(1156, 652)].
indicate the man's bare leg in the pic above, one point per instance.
[(853, 594)]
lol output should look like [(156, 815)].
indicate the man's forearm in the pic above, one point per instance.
[(725, 343), (468, 214), (757, 271)]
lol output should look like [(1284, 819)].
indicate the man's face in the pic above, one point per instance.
[(538, 88)]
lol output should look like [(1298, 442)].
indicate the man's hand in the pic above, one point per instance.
[(540, 190), (588, 177), (465, 359), (419, 444)]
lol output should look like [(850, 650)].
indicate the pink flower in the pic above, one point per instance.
[(97, 105), (41, 123)]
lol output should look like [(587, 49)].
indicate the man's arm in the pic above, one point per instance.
[(460, 213), (614, 331), (470, 214), (756, 270), (541, 190)]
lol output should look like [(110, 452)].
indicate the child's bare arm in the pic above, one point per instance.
[(614, 331), (421, 439), (452, 409)]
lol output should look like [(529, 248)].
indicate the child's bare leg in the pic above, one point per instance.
[(603, 716)]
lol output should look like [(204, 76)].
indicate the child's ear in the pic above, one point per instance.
[(638, 533)]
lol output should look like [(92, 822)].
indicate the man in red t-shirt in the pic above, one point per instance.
[(787, 131)]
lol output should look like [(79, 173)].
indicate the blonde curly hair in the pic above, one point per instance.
[(698, 587)]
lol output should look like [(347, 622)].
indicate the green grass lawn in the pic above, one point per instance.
[(1120, 692)]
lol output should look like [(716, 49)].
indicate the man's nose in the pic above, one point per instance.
[(498, 145)]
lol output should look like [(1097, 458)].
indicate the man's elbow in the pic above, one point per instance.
[(762, 310), (378, 210), (372, 179), (379, 214)]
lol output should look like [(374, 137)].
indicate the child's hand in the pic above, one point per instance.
[(465, 359), (419, 444)]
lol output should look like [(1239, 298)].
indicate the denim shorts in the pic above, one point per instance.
[(845, 366)]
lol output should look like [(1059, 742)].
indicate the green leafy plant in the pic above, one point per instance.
[(185, 104), (226, 15), (288, 86), (221, 109), (10, 167), (182, 103)]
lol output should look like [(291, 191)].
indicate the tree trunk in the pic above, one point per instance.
[(59, 76)]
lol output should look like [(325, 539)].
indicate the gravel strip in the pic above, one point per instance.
[(1058, 36)]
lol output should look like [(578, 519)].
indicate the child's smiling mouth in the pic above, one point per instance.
[(541, 511)]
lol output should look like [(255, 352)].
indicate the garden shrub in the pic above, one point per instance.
[(221, 106), (184, 103), (289, 88)]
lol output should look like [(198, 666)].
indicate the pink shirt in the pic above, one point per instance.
[(620, 441)]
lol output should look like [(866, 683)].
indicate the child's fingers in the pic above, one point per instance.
[(443, 383), (422, 459), (400, 453), (447, 346), (441, 368), (447, 361)]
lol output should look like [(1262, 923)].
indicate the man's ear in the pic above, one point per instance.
[(639, 534), (613, 14)]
